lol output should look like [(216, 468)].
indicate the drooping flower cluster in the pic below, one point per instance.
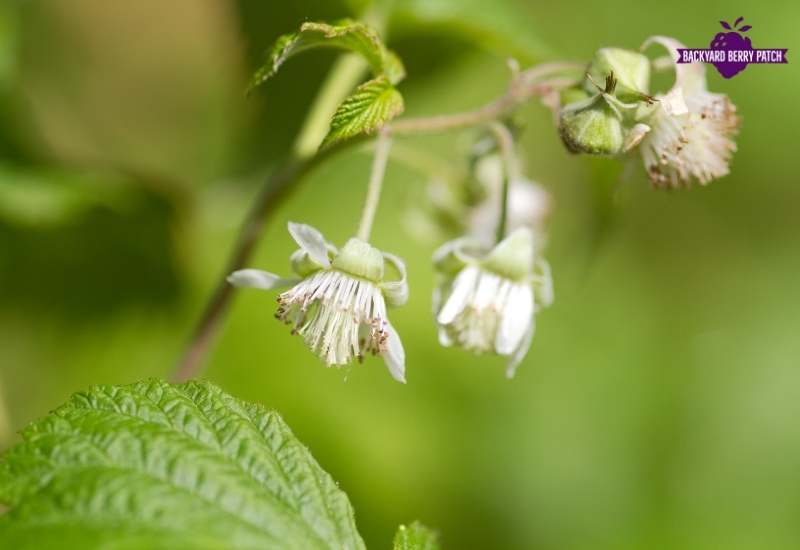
[(492, 279), (486, 301), (684, 135), (338, 303)]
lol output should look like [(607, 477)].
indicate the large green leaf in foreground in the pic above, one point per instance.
[(161, 466)]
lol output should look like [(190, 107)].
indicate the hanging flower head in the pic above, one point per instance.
[(688, 134), (338, 305), (684, 135), (486, 302)]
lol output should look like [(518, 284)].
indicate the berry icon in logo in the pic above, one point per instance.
[(731, 40)]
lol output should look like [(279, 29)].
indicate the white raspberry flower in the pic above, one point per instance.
[(487, 302), (689, 135), (338, 305)]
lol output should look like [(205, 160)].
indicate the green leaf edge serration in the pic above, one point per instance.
[(344, 34), (155, 465), (367, 109)]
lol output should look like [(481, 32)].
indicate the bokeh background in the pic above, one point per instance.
[(660, 404)]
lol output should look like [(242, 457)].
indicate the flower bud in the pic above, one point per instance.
[(591, 127), (630, 69)]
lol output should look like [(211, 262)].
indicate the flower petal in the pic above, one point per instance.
[(255, 278), (516, 321), (312, 241), (673, 102), (635, 136), (462, 289), (543, 280), (452, 256), (521, 351), (395, 355), (444, 338), (396, 292), (437, 296), (691, 77)]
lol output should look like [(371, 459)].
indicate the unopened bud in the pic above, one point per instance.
[(594, 128)]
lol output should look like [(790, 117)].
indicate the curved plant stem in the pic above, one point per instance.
[(505, 142), (345, 73), (522, 87), (343, 77), (426, 163), (274, 190), (382, 147)]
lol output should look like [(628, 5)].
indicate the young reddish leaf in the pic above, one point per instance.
[(725, 25), (739, 20), (746, 28)]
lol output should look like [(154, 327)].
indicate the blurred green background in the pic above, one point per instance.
[(660, 404)]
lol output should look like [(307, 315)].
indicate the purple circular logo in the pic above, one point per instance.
[(729, 41)]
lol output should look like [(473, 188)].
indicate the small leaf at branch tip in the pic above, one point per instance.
[(368, 109), (345, 35)]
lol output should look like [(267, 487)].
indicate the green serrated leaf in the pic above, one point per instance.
[(415, 537), (393, 67), (346, 35), (371, 105), (160, 466)]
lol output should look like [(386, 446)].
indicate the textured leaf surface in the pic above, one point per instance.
[(372, 105), (161, 466), (346, 35), (415, 537)]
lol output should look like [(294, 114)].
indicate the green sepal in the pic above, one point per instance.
[(360, 259), (630, 69), (513, 256)]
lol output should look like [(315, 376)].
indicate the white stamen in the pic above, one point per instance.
[(339, 316)]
